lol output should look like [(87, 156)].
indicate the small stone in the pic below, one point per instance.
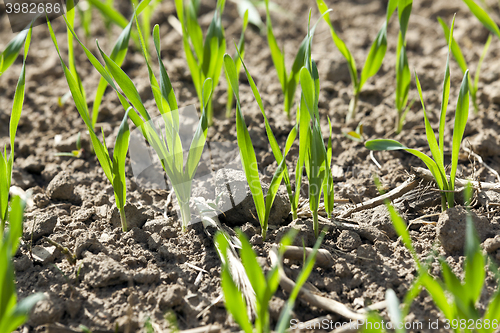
[(100, 271), (366, 251), (451, 228), (47, 311), (62, 187), (486, 143), (40, 224), (154, 241), (44, 254), (348, 240), (41, 200), (88, 242), (136, 217), (31, 165), (173, 296), (237, 203), (342, 270), (22, 264), (256, 240), (155, 225), (147, 276), (382, 220), (22, 179), (492, 244)]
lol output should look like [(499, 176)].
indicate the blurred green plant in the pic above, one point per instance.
[(114, 168), (436, 165), (264, 285), (247, 152), (7, 161), (288, 80), (312, 151), (13, 313), (459, 57), (403, 74), (204, 58), (373, 60), (9, 55), (240, 52)]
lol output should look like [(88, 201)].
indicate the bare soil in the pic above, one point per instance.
[(121, 279)]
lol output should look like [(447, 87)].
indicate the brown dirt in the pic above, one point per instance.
[(122, 279)]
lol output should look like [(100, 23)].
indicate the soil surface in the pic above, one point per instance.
[(155, 270)]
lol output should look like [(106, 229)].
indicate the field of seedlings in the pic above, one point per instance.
[(214, 166)]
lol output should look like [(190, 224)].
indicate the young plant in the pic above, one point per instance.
[(403, 74), (7, 161), (237, 61), (460, 310), (459, 57), (168, 146), (74, 153), (13, 313), (373, 61), (483, 17), (436, 165), (312, 151), (247, 153), (114, 168), (9, 55), (70, 16), (118, 55), (264, 286), (204, 58), (290, 80)]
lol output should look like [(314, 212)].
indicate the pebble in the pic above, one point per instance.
[(39, 225), (451, 228), (62, 187), (348, 240)]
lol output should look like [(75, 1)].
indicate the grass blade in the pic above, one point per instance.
[(118, 56), (375, 56), (483, 17), (461, 116), (9, 55)]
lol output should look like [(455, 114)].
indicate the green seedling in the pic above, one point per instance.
[(74, 153), (146, 19), (114, 168), (455, 298), (312, 151), (85, 14), (436, 165), (7, 161), (9, 55), (204, 58), (253, 14), (288, 80), (118, 55), (13, 313), (459, 57), (373, 61), (483, 17), (264, 285), (168, 146), (278, 154), (247, 153), (403, 74), (70, 15), (460, 309), (237, 61), (356, 135)]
